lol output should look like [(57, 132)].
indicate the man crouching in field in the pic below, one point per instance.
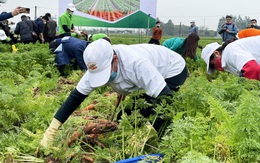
[(125, 68)]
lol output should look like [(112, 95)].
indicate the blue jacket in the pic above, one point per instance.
[(232, 31), (40, 25), (24, 28), (193, 29), (71, 48), (5, 16)]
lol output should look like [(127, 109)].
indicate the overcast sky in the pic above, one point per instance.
[(204, 12)]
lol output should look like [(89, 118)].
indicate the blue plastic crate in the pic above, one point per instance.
[(143, 157)]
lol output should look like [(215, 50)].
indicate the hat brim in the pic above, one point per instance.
[(209, 70), (3, 38), (72, 9), (99, 78), (207, 59)]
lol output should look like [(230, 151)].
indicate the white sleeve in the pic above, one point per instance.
[(84, 86)]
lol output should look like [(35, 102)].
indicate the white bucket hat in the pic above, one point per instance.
[(207, 52), (71, 7), (2, 35), (98, 57)]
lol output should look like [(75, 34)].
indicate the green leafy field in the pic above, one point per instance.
[(212, 118)]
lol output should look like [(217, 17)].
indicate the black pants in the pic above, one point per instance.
[(174, 84), (49, 39), (61, 69), (28, 42), (154, 41)]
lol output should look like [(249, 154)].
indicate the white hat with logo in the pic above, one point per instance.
[(98, 58), (207, 52), (71, 7)]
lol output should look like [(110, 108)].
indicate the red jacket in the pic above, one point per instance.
[(157, 33)]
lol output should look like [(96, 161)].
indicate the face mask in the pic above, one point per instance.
[(217, 64), (112, 76), (71, 13)]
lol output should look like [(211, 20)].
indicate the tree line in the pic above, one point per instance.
[(175, 30), (182, 30)]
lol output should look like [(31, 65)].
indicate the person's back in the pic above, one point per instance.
[(248, 32), (136, 58), (186, 47), (50, 29), (237, 53), (24, 29), (40, 25), (51, 26), (175, 44), (67, 49), (74, 48)]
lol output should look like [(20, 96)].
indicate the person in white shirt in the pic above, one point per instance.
[(125, 68), (240, 57)]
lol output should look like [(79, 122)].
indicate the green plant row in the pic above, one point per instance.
[(211, 119)]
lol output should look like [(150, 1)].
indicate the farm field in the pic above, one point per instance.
[(110, 10), (211, 119)]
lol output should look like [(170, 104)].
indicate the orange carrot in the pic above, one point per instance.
[(90, 107), (88, 159)]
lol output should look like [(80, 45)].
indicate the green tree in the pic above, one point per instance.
[(168, 28)]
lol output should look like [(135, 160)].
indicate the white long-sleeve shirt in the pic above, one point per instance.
[(239, 52), (141, 66)]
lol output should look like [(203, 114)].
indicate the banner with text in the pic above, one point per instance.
[(112, 13)]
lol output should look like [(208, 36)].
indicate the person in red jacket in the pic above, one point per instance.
[(157, 34)]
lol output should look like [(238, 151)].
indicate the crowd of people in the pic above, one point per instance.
[(43, 29), (157, 69)]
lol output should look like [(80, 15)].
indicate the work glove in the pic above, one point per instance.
[(49, 134), (14, 48)]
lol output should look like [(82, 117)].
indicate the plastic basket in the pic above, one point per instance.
[(151, 158)]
